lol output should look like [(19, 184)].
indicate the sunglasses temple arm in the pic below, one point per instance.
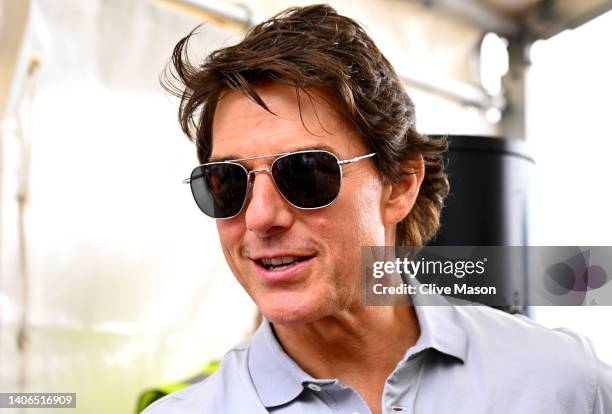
[(352, 160), (186, 180)]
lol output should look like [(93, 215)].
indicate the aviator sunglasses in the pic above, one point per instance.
[(309, 179)]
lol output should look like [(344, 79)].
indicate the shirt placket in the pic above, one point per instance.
[(342, 400), (399, 393)]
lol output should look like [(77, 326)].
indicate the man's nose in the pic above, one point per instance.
[(267, 212)]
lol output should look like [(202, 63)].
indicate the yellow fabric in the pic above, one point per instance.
[(151, 395)]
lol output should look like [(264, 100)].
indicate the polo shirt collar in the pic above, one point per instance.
[(441, 330), (279, 380)]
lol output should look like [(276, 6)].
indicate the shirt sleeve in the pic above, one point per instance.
[(603, 392)]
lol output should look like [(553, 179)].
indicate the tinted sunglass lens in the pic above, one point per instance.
[(220, 189), (308, 179)]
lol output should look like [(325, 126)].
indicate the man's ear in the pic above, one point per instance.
[(399, 198)]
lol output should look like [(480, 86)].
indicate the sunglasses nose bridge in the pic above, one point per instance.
[(251, 177)]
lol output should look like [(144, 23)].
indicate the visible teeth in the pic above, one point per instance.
[(276, 261), (288, 259), (279, 268)]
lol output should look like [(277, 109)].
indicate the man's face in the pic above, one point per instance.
[(327, 241)]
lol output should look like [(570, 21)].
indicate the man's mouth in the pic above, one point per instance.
[(278, 264)]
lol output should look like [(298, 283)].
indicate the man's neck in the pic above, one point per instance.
[(362, 345)]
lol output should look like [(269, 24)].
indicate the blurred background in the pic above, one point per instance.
[(112, 281)]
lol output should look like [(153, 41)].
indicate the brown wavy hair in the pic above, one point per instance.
[(314, 46)]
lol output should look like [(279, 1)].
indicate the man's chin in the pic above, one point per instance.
[(291, 315)]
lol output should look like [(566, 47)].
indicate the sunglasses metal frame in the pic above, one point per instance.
[(250, 181)]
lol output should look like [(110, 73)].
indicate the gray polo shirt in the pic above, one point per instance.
[(468, 359)]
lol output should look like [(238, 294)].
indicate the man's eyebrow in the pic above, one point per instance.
[(234, 157), (229, 157)]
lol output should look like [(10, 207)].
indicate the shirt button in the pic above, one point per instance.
[(314, 387)]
